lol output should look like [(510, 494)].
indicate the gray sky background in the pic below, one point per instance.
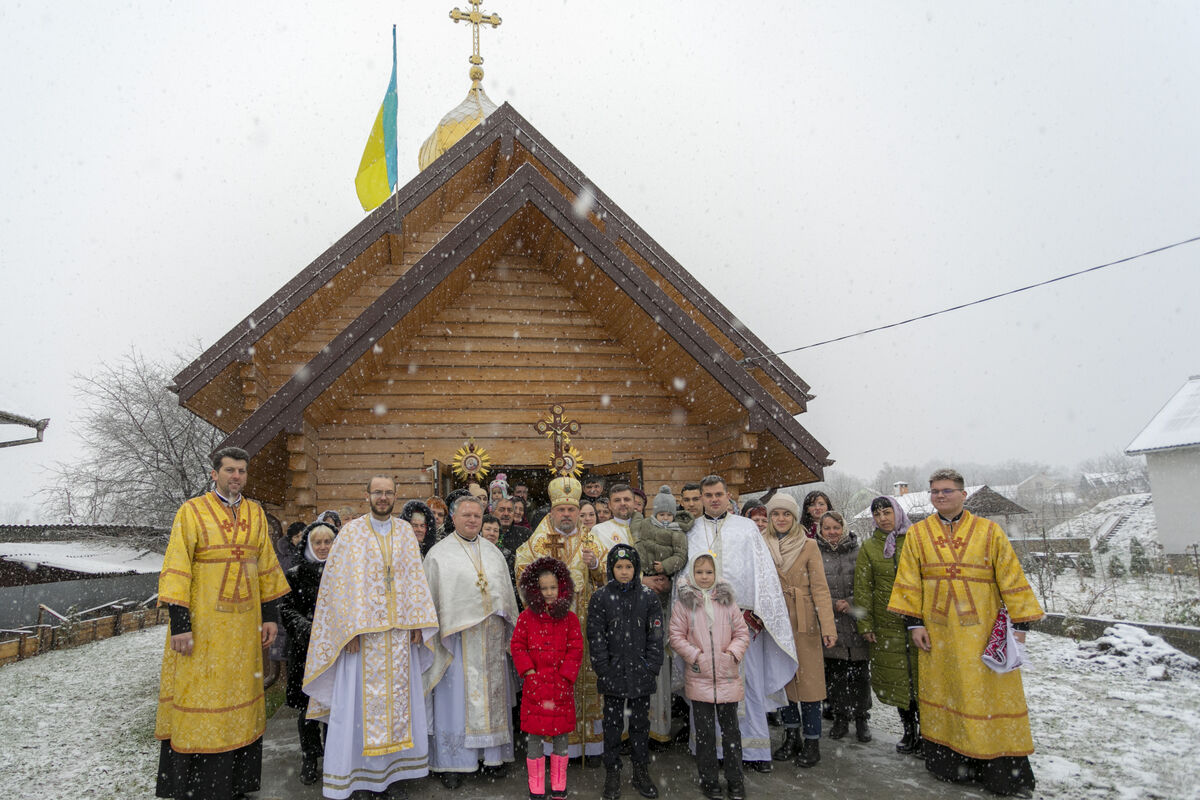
[(822, 167)]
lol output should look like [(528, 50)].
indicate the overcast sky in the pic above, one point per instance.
[(821, 167)]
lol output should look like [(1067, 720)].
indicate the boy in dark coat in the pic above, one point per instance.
[(625, 637)]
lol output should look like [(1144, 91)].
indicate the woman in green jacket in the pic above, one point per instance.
[(893, 655)]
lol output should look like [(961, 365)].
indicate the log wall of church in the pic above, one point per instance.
[(488, 366)]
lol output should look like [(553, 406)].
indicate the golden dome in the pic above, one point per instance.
[(456, 124)]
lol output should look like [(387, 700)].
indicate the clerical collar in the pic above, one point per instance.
[(714, 519), (227, 501), (957, 517), (465, 539), (625, 522), (381, 525)]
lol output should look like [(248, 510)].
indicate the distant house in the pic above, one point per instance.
[(982, 501), (1101, 485), (1171, 445)]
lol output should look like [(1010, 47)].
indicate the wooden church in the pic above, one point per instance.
[(497, 283)]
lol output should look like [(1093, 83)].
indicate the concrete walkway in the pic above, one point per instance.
[(848, 771)]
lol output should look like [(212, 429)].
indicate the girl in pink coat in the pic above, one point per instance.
[(709, 633)]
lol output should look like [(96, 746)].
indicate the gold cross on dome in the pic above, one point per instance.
[(475, 18)]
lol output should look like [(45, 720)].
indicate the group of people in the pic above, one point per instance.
[(412, 638)]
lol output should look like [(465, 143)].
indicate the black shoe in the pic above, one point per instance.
[(643, 782), (840, 728), (498, 772), (397, 791), (773, 719), (810, 753), (791, 744), (684, 734), (592, 762), (862, 731), (826, 711), (712, 791), (451, 780), (910, 741), (612, 783), (918, 748), (737, 791), (757, 766), (657, 747), (309, 774)]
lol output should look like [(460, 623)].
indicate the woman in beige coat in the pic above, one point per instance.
[(802, 575)]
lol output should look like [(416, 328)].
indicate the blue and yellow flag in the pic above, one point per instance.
[(376, 178)]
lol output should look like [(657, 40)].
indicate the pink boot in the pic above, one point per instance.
[(536, 767), (558, 777)]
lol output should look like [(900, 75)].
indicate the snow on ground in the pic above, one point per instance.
[(1140, 525), (78, 723), (1139, 598), (1103, 729)]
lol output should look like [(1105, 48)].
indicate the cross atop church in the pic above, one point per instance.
[(475, 18)]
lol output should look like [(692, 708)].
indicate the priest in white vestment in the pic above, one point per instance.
[(372, 636), (560, 535), (744, 561), (473, 691)]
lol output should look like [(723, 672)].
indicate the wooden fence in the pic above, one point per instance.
[(26, 642)]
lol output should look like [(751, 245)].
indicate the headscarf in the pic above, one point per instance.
[(902, 525), (309, 555)]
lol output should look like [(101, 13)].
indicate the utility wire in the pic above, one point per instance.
[(973, 302)]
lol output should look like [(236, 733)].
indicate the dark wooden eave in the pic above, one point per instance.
[(284, 410), (507, 126)]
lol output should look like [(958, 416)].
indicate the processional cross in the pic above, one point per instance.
[(558, 429), (475, 18)]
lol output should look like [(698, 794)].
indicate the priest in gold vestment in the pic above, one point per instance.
[(559, 535), (372, 637), (472, 677), (219, 580), (956, 570)]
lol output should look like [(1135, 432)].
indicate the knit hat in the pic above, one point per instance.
[(665, 501), (786, 502)]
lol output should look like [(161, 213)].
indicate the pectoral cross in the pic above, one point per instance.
[(475, 18), (558, 429)]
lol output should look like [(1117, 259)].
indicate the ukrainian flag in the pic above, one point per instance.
[(376, 179)]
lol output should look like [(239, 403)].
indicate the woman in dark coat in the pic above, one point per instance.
[(296, 610), (847, 669)]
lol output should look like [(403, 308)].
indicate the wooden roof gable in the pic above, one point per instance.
[(502, 141), (525, 188)]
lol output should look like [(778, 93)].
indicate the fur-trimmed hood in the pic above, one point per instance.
[(687, 593), (528, 585)]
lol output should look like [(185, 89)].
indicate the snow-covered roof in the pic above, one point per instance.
[(90, 557), (1177, 424)]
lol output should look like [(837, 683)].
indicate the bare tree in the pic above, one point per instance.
[(143, 454)]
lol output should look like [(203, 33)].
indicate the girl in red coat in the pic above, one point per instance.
[(547, 650)]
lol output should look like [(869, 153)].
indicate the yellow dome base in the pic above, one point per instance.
[(456, 124)]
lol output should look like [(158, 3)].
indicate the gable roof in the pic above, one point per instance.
[(526, 187), (1177, 424), (504, 128)]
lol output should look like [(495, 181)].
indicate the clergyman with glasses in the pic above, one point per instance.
[(956, 572), (372, 637)]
